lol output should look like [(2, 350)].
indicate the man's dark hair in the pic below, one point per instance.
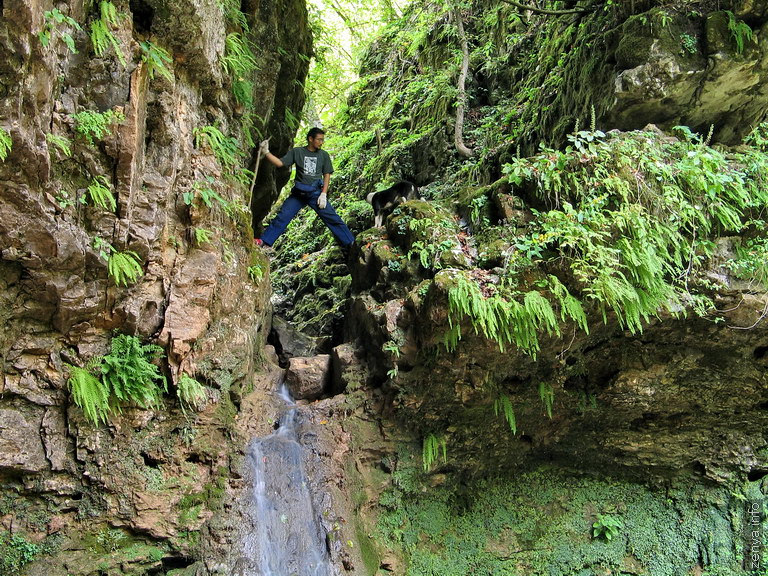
[(313, 132)]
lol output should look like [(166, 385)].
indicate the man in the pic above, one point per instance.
[(313, 175)]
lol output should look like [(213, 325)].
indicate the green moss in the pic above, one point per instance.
[(540, 524)]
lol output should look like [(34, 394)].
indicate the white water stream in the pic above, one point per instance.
[(287, 539)]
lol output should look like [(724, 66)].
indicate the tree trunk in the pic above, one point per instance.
[(459, 134)]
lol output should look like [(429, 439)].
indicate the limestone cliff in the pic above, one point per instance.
[(129, 128)]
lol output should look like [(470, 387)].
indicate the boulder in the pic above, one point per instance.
[(307, 377)]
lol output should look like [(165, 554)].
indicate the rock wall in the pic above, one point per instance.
[(180, 209)]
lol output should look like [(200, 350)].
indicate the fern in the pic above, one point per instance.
[(503, 405), (225, 149), (5, 144), (61, 142), (240, 63), (190, 392), (90, 124), (157, 60), (202, 236), (89, 393), (740, 31), (100, 193), (101, 31), (125, 267), (547, 395), (129, 373), (431, 449)]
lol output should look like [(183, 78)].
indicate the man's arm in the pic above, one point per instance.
[(264, 150), (326, 183)]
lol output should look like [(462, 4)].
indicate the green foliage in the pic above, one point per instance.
[(740, 31), (89, 393), (502, 320), (503, 405), (203, 189), (124, 267), (130, 373), (547, 395), (226, 150), (240, 63), (100, 193), (190, 392), (255, 273), (53, 18), (202, 236), (15, 553), (101, 31), (96, 125), (606, 527), (751, 262), (431, 450), (157, 60), (545, 516), (61, 142), (5, 144), (633, 216)]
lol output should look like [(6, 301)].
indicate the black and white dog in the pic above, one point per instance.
[(385, 201)]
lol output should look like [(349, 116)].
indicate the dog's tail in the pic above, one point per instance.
[(369, 198)]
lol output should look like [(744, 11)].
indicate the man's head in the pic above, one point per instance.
[(315, 138)]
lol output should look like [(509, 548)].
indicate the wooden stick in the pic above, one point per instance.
[(253, 180)]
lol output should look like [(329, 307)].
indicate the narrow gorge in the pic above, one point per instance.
[(553, 363)]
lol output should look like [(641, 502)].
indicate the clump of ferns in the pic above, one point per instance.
[(127, 375), (634, 217), (103, 29)]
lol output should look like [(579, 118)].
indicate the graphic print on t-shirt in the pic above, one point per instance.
[(310, 165)]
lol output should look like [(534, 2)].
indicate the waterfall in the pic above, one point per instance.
[(286, 538)]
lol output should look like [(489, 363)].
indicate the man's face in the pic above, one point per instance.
[(318, 141)]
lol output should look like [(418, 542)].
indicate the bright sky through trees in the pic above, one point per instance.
[(342, 30)]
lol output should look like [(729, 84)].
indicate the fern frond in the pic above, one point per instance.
[(431, 449), (190, 392), (129, 372), (101, 194), (125, 267), (504, 405), (89, 393), (61, 142), (547, 395), (5, 144)]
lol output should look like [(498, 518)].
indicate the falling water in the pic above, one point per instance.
[(286, 538)]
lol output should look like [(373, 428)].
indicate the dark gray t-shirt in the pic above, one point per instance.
[(310, 166)]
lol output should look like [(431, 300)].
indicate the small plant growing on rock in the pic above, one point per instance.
[(157, 60), (100, 193), (606, 527), (5, 144), (225, 149), (61, 142), (190, 392), (90, 124), (101, 31), (503, 405), (124, 267), (431, 450), (130, 374), (52, 19), (15, 553), (89, 392)]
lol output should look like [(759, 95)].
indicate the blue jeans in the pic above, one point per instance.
[(293, 204)]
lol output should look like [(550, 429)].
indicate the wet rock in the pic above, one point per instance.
[(307, 378)]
